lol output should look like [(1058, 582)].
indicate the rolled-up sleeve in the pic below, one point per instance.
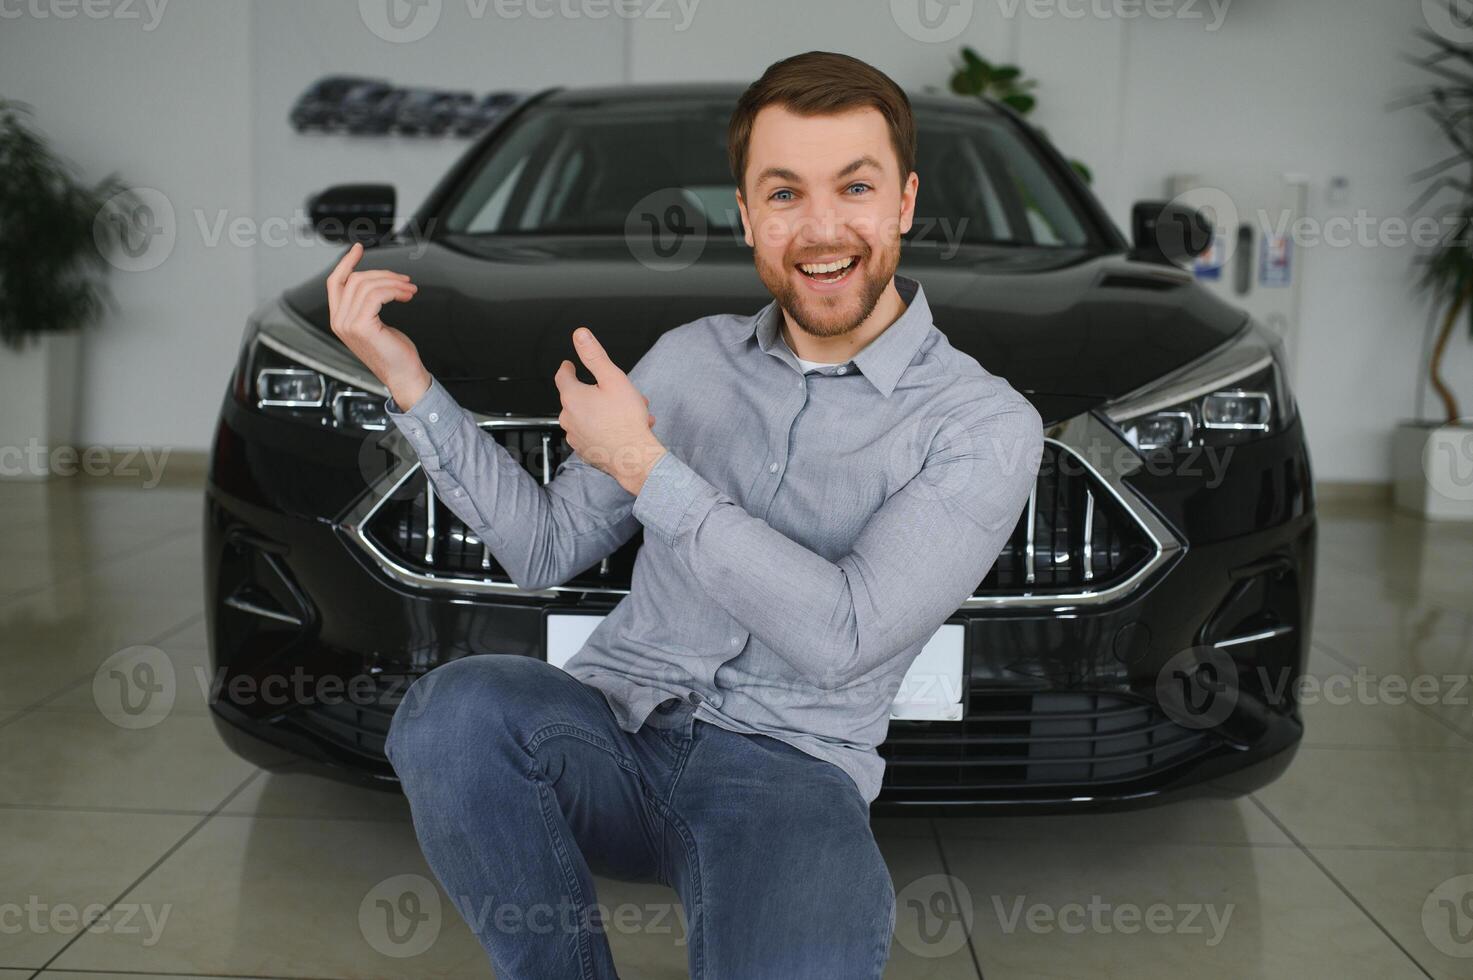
[(917, 558)]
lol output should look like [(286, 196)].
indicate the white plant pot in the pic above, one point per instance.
[(1432, 470), (38, 405)]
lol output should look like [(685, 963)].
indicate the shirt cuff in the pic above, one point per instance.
[(673, 495), (430, 421)]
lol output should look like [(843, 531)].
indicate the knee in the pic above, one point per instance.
[(455, 705)]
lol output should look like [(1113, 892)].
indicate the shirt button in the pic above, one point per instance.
[(434, 416), (772, 468), (736, 641), (841, 370), (695, 698)]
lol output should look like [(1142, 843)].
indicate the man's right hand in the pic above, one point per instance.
[(354, 300)]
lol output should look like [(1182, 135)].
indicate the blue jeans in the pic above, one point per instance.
[(523, 786)]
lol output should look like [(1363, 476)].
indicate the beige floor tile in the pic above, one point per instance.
[(54, 638), (931, 937), (81, 758), (70, 861), (1347, 705), (282, 897), (195, 684), (1423, 898), (275, 794), (1376, 798), (92, 974), (1079, 907), (1428, 671)]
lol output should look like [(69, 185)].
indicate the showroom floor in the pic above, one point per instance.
[(1348, 866)]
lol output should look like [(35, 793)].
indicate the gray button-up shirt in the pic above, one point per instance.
[(805, 533)]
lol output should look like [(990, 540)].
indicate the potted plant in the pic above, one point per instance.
[(1432, 459), (53, 266), (975, 76)]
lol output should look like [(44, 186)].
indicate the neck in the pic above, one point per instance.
[(836, 350)]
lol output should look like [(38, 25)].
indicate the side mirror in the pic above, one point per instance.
[(347, 213), (1167, 232)]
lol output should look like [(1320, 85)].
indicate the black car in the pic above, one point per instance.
[(321, 106), (1169, 541)]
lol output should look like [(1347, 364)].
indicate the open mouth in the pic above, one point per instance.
[(829, 273)]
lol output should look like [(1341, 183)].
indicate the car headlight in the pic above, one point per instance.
[(291, 370), (1235, 393)]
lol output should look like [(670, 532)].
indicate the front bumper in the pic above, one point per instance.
[(1063, 704)]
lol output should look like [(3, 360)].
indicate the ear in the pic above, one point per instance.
[(908, 201), (746, 219)]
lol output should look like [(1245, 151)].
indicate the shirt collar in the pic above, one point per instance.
[(883, 359)]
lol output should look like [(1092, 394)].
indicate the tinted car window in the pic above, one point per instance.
[(582, 169)]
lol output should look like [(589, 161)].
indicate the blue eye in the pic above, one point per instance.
[(775, 193), (854, 185)]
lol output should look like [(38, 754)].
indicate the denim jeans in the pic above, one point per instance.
[(522, 787)]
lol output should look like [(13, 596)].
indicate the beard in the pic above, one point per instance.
[(835, 314)]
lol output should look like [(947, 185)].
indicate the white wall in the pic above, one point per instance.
[(165, 103), (197, 108)]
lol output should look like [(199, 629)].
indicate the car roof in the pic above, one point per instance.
[(728, 92)]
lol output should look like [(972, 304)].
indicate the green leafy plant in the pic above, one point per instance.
[(52, 259), (973, 75), (1447, 267)]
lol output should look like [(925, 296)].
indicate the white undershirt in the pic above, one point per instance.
[(810, 365)]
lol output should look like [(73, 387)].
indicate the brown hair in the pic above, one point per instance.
[(819, 83)]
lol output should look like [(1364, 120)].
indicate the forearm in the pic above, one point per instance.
[(912, 565), (541, 535), (795, 601)]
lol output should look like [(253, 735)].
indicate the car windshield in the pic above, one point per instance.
[(582, 168)]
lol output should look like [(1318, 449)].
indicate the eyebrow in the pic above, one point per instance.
[(782, 173)]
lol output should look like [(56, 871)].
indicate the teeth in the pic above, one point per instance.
[(821, 268)]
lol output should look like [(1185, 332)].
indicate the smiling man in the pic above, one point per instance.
[(820, 485)]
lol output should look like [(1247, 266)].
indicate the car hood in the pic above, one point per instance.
[(494, 317)]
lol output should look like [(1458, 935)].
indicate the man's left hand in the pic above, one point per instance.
[(608, 422)]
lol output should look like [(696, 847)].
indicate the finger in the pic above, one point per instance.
[(339, 274), (565, 377), (351, 291), (594, 357), (369, 301), (358, 280)]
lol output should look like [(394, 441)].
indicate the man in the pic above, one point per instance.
[(820, 486)]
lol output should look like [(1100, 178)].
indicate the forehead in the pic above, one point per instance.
[(817, 146)]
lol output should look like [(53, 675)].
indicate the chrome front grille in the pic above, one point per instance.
[(1076, 538)]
